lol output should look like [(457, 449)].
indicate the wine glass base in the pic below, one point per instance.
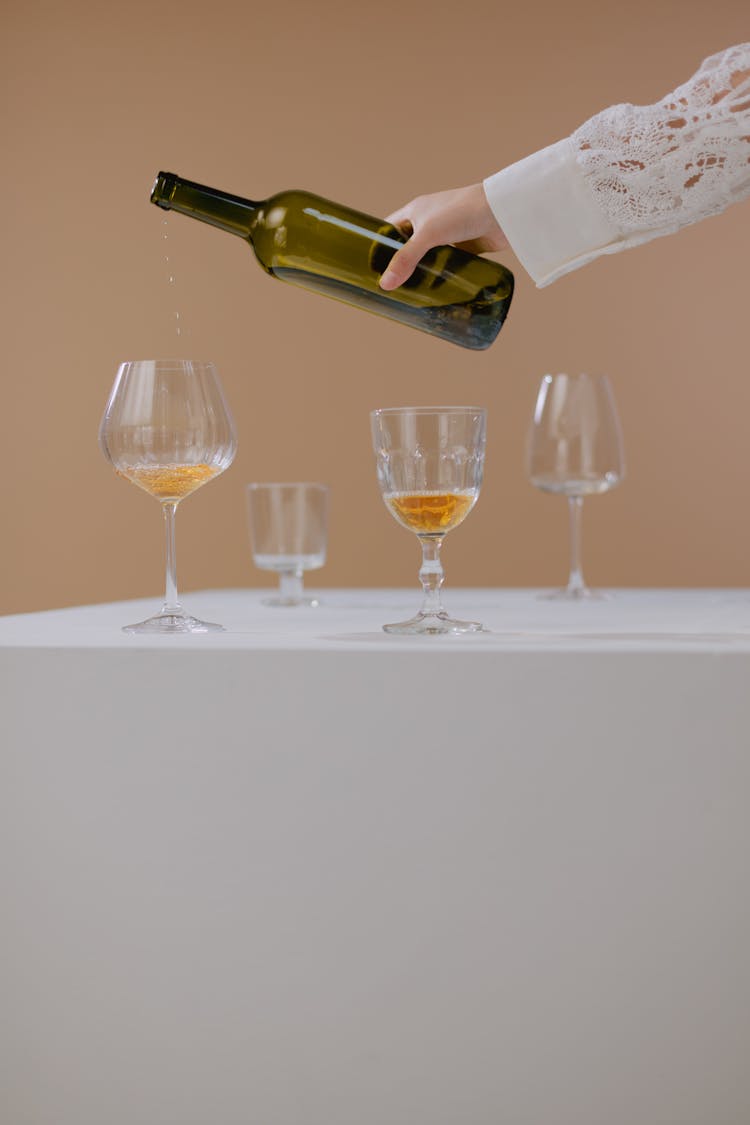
[(279, 599), (433, 624), (169, 624), (575, 594)]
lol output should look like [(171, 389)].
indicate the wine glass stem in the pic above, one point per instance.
[(431, 574), (171, 601), (290, 584), (575, 512)]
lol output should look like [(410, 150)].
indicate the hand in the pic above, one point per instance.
[(461, 217)]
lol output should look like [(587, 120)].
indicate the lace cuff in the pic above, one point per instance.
[(631, 173)]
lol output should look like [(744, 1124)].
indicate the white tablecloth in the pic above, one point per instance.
[(304, 873), (620, 621)]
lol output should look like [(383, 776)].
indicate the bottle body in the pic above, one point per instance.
[(334, 250)]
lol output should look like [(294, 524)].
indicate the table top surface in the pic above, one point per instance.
[(657, 620)]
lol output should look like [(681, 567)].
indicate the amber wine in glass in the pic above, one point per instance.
[(430, 462), (167, 429)]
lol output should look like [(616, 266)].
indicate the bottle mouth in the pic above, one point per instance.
[(163, 189)]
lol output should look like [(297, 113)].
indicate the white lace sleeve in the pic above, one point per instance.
[(631, 173)]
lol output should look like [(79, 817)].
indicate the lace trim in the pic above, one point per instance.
[(680, 160)]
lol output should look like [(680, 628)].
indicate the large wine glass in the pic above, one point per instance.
[(430, 462), (575, 449), (167, 429)]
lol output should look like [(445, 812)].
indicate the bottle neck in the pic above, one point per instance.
[(231, 213)]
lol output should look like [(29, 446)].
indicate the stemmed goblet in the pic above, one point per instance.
[(167, 429), (574, 449), (430, 463)]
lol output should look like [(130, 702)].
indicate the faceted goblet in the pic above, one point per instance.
[(430, 462)]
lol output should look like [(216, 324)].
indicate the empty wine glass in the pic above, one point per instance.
[(574, 449), (430, 462), (288, 526), (167, 429)]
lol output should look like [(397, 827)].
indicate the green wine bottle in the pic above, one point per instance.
[(331, 249)]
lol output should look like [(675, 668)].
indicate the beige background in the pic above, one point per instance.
[(370, 105)]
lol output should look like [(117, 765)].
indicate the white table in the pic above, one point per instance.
[(303, 873)]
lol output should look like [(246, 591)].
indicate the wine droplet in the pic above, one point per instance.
[(170, 276)]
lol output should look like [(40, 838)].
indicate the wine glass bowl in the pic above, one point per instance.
[(575, 449), (430, 464), (288, 526), (167, 429)]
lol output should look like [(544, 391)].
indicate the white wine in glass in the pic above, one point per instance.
[(167, 429), (574, 449), (430, 463)]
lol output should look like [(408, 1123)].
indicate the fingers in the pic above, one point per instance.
[(403, 263), (401, 219)]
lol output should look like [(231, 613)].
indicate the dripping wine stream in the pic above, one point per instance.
[(171, 278)]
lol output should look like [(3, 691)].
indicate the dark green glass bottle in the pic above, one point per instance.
[(331, 249)]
